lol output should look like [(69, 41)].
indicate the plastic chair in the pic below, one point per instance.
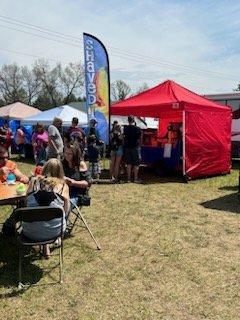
[(33, 214)]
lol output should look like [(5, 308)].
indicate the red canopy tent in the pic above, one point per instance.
[(206, 125)]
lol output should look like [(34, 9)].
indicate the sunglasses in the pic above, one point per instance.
[(3, 158)]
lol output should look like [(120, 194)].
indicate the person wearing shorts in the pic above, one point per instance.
[(94, 157), (132, 136), (116, 145)]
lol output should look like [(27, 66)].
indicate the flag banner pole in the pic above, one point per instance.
[(97, 83)]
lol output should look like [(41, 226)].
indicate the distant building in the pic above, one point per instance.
[(226, 99), (232, 100)]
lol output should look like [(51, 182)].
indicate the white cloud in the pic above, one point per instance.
[(196, 34)]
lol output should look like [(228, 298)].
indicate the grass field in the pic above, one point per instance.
[(169, 251)]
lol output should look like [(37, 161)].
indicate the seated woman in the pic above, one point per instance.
[(49, 189), (77, 175), (7, 166)]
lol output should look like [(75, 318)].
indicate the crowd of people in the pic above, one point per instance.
[(51, 143), (62, 177)]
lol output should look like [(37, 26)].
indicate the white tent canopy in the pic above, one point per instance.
[(66, 113), (18, 111)]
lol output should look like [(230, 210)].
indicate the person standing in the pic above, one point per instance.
[(6, 136), (132, 136), (75, 130), (93, 130), (40, 143), (94, 157), (116, 147), (20, 141), (55, 141), (76, 134)]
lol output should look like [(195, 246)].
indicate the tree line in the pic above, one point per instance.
[(44, 86)]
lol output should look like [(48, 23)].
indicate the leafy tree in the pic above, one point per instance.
[(43, 102), (120, 90)]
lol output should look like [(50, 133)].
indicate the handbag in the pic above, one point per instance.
[(84, 200)]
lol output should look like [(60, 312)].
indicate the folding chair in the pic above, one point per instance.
[(77, 214), (33, 214)]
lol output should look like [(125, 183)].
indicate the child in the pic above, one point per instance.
[(94, 157)]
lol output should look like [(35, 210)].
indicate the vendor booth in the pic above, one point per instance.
[(14, 113), (191, 128)]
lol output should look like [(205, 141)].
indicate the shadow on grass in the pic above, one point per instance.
[(147, 175), (9, 266), (229, 188), (228, 203)]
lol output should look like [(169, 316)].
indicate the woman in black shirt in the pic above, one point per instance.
[(76, 173)]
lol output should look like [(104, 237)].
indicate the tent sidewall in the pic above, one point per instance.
[(207, 140)]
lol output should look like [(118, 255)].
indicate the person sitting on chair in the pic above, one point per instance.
[(7, 166), (77, 175), (48, 189)]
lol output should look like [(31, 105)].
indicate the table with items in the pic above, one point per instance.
[(13, 194)]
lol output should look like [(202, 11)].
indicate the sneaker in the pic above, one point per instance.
[(58, 242), (138, 181)]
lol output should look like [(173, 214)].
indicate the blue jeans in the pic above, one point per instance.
[(74, 200)]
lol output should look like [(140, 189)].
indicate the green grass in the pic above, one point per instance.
[(169, 251)]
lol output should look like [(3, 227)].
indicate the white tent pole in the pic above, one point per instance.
[(184, 143)]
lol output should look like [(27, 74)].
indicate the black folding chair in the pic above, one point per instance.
[(34, 214), (72, 219)]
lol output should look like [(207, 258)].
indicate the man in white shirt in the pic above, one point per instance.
[(55, 141)]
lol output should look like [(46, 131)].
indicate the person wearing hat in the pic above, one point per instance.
[(92, 129), (132, 136)]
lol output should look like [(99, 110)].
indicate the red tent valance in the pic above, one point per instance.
[(162, 101)]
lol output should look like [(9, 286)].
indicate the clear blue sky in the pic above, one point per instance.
[(195, 43)]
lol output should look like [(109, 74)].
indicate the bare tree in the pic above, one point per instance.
[(31, 83), (49, 79), (71, 80), (11, 84), (42, 84), (142, 88), (119, 90)]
